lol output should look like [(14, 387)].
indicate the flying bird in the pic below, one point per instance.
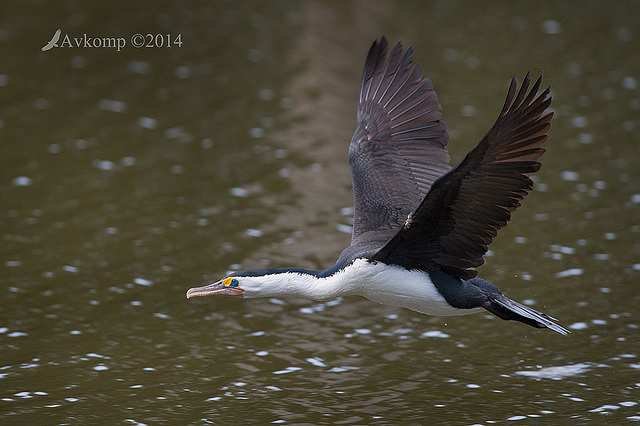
[(420, 226), (53, 42)]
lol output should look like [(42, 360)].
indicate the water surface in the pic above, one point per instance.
[(128, 176)]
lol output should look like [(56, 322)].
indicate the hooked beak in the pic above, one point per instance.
[(215, 289)]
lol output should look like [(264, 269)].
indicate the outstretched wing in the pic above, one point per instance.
[(465, 208), (398, 149)]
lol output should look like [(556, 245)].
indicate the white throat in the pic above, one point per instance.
[(387, 284)]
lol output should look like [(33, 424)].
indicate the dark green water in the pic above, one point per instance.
[(128, 176)]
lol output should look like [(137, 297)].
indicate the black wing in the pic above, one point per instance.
[(460, 216), (398, 149)]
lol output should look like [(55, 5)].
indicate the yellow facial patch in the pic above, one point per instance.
[(230, 282)]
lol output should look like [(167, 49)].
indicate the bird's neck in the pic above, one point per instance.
[(295, 282), (315, 285)]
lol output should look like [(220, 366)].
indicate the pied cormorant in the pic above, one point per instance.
[(420, 226)]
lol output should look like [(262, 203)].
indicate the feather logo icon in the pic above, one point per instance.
[(53, 42)]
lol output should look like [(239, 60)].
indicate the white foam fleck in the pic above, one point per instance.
[(344, 228), (585, 138), (516, 418), (103, 164), (22, 181), (468, 111), (579, 122), (284, 173), (286, 103), (600, 184), (556, 373), (272, 388), (570, 176), (604, 408), (142, 281), (139, 67), (551, 26), (112, 105), (629, 83), (256, 132), (334, 302), (342, 369), (434, 333), (563, 249), (348, 211), (569, 273), (183, 72), (316, 361), (147, 123), (239, 192), (254, 232), (95, 355), (287, 370)]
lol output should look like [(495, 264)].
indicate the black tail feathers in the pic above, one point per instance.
[(507, 309)]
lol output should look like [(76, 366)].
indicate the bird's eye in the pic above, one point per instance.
[(233, 283)]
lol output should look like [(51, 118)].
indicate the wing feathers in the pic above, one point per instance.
[(463, 211), (398, 149)]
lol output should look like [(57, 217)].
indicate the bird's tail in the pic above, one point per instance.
[(507, 309)]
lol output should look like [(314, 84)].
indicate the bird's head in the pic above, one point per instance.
[(229, 286)]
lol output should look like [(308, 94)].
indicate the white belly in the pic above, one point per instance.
[(393, 285)]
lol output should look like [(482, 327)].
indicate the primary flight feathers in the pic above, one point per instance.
[(442, 218)]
